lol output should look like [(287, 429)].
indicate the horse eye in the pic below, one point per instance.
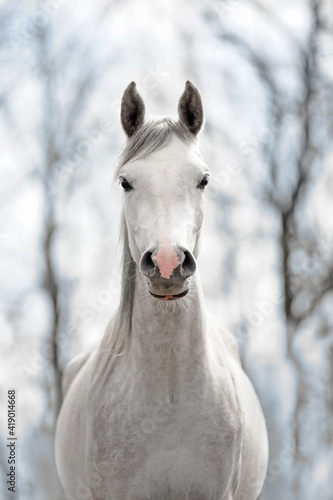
[(204, 182), (125, 184)]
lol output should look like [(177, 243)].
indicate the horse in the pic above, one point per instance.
[(161, 408)]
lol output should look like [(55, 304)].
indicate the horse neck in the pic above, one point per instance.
[(168, 340)]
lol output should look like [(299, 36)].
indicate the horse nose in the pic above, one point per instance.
[(167, 262)]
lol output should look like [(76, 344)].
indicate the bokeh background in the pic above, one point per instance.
[(264, 70)]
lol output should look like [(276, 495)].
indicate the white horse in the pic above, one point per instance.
[(162, 408)]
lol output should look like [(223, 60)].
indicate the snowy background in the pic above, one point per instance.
[(264, 70)]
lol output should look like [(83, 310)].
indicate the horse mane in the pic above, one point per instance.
[(115, 340)]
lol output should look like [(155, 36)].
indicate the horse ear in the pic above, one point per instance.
[(132, 110), (190, 108)]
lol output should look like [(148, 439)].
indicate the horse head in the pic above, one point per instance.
[(163, 177)]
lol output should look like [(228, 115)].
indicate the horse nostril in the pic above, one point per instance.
[(189, 266), (147, 265)]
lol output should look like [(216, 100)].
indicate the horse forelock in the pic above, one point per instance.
[(151, 136)]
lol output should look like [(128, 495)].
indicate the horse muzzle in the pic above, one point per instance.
[(168, 272)]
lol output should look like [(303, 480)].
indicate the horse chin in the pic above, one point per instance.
[(169, 296)]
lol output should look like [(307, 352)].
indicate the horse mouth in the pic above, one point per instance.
[(169, 296)]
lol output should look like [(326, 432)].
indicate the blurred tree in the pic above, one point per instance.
[(50, 73)]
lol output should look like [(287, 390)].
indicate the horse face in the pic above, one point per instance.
[(163, 205)]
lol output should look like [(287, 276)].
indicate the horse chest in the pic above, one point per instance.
[(185, 449)]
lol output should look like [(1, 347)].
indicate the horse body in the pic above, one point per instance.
[(173, 416)]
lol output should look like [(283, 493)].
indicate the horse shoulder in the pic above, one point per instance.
[(72, 369)]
